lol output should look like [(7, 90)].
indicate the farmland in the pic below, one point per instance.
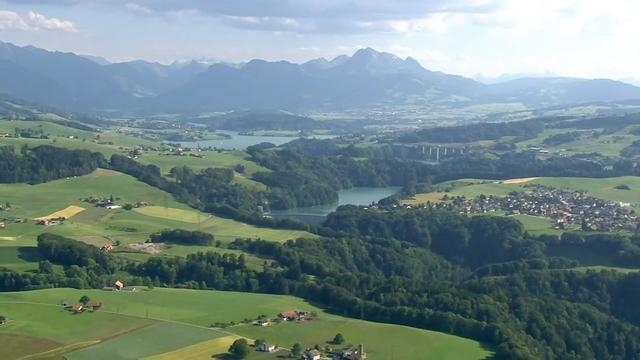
[(98, 225), (175, 321)]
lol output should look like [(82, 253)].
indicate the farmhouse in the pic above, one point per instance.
[(2, 226), (262, 322), (118, 285), (76, 309), (357, 354), (311, 354), (94, 305), (264, 347), (289, 315), (106, 247), (4, 135)]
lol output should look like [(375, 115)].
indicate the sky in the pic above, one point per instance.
[(581, 38)]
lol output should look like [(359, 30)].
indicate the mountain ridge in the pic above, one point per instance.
[(367, 78)]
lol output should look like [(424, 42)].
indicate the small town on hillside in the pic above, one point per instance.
[(565, 208)]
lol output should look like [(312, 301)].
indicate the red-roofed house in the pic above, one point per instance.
[(289, 315)]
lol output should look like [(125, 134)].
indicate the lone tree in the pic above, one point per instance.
[(3, 319), (338, 339), (296, 350), (84, 299), (239, 349)]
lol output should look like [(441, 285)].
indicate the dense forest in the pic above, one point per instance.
[(45, 163), (184, 237), (475, 132)]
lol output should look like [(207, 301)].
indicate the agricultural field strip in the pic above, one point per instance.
[(61, 350)]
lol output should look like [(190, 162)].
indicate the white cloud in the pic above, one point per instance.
[(34, 21), (39, 21), (279, 24), (137, 8), (10, 20)]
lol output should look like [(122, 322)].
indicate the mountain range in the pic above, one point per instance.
[(367, 78)]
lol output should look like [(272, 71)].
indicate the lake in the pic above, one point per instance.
[(241, 142), (353, 196)]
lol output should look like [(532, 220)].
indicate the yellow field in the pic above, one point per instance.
[(518, 181), (424, 198), (171, 214), (68, 212), (200, 351)]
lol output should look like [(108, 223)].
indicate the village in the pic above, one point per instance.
[(565, 208)]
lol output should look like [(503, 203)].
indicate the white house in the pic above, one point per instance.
[(264, 347)]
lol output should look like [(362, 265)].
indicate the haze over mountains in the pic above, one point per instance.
[(367, 78)]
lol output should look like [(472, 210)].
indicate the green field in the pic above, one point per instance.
[(211, 159), (34, 314), (145, 342), (607, 145)]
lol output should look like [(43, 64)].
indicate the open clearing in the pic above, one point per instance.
[(66, 213), (32, 314), (187, 216)]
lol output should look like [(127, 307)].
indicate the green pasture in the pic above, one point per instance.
[(156, 339), (49, 321), (211, 159)]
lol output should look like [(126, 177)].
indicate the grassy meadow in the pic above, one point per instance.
[(177, 321)]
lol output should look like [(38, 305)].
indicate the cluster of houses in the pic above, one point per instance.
[(4, 207), (564, 207), (106, 203), (290, 315), (78, 308), (352, 354), (294, 315), (51, 221)]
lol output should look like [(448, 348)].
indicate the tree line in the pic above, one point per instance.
[(45, 163)]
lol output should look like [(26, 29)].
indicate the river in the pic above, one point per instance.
[(353, 196)]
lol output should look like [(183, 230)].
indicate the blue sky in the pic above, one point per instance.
[(583, 38)]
